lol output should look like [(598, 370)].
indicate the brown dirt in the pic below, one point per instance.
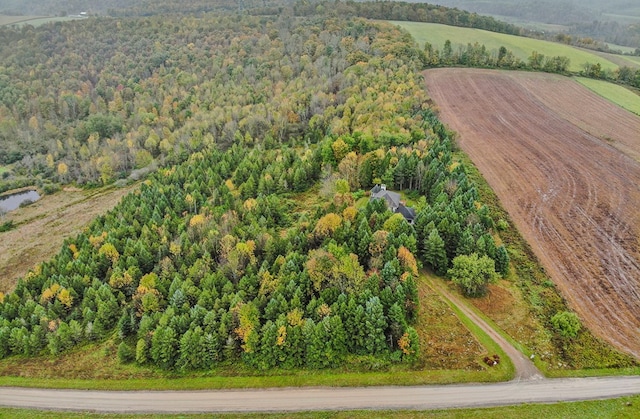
[(565, 165), (44, 225)]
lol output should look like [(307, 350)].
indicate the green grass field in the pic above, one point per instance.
[(522, 47), (32, 20), (624, 407), (10, 20), (620, 47), (631, 58), (619, 95)]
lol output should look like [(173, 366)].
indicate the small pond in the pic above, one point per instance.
[(11, 202)]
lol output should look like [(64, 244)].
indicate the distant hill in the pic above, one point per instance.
[(551, 11), (615, 21), (120, 7)]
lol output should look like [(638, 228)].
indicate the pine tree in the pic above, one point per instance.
[(502, 261), (435, 254), (374, 327)]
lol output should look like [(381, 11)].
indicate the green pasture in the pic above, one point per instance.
[(32, 20), (619, 95), (522, 47), (632, 58), (10, 20), (621, 48)]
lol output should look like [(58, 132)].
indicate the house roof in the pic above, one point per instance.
[(392, 198), (407, 212)]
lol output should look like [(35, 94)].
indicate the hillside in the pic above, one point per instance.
[(521, 47), (616, 21), (214, 261)]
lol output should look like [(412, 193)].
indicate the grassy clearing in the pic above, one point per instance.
[(634, 60), (43, 227), (521, 47), (624, 407), (621, 48), (453, 349), (491, 346), (10, 20), (617, 94), (3, 169), (33, 20), (44, 20), (447, 337)]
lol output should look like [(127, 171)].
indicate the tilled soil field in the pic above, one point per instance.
[(565, 165)]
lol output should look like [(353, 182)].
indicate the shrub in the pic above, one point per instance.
[(567, 324), (125, 353)]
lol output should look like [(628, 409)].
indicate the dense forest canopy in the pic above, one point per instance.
[(122, 7), (83, 103), (213, 260)]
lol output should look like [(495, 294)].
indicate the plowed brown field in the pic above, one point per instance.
[(565, 165)]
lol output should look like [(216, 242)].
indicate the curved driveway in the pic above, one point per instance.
[(300, 399)]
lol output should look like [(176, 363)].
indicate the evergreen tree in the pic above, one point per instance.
[(375, 325), (435, 253)]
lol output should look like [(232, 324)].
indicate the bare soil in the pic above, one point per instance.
[(565, 165), (44, 225)]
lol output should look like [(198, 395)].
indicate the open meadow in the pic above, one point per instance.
[(33, 20), (521, 47), (43, 226)]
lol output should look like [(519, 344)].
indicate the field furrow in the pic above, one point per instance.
[(565, 164)]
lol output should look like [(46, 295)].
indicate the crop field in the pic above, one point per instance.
[(565, 164), (619, 95), (521, 47)]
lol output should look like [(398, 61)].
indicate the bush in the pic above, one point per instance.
[(6, 226), (567, 324), (125, 353), (50, 188)]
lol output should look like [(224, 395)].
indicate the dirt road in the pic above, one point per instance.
[(565, 165), (524, 367), (286, 400)]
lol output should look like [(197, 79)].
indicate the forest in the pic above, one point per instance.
[(215, 260), (255, 138), (81, 102)]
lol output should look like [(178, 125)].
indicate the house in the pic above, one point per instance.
[(393, 201)]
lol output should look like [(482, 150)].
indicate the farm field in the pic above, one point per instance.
[(32, 20), (521, 47), (10, 20), (619, 60), (615, 93), (565, 164)]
